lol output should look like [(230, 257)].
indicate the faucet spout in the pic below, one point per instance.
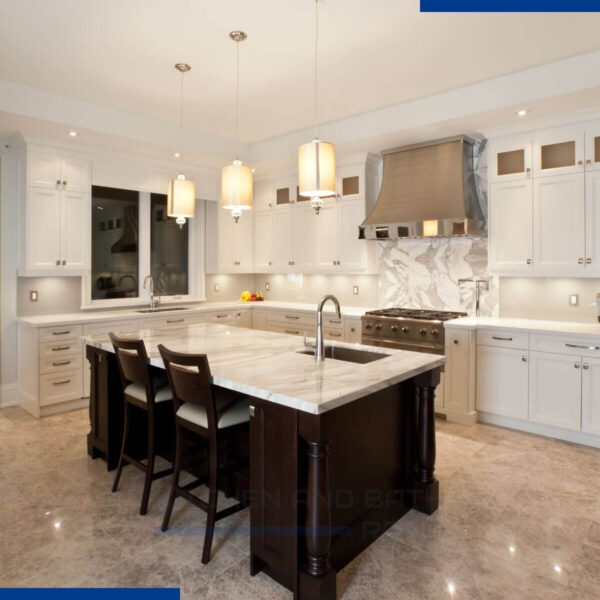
[(319, 345)]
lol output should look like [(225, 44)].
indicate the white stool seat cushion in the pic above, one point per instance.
[(161, 389), (234, 415)]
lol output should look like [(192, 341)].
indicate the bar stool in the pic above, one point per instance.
[(145, 392), (199, 409)]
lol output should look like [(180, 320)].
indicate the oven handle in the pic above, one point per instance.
[(410, 346)]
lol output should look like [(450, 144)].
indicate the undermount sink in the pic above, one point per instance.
[(353, 355), (169, 309)]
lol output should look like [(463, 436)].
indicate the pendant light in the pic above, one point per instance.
[(236, 179), (316, 159), (181, 198)]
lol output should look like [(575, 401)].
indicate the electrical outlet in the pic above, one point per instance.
[(267, 287), (573, 299), (217, 287), (355, 290), (33, 295)]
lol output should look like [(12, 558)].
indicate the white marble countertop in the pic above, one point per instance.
[(267, 365), (93, 316), (530, 325)]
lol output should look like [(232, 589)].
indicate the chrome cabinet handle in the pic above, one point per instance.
[(588, 261), (60, 363), (502, 339), (59, 348), (335, 334), (61, 382), (220, 316), (584, 347), (292, 332), (174, 320), (61, 332), (580, 261), (251, 411), (333, 322), (292, 316)]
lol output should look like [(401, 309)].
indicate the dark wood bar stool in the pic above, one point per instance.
[(199, 409), (145, 392)]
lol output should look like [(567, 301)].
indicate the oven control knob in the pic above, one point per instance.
[(423, 331), (435, 332), (378, 326), (368, 326), (394, 328), (406, 330)]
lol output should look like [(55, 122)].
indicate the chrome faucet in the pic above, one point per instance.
[(147, 279), (319, 346), (479, 283)]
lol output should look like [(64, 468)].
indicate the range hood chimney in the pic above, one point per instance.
[(428, 190)]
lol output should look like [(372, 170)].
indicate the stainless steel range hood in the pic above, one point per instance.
[(428, 190)]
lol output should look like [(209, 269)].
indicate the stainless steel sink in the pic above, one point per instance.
[(353, 355), (155, 310)]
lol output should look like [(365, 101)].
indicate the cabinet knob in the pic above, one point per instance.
[(270, 263), (58, 262), (394, 328), (588, 261), (64, 262), (586, 366), (588, 161), (580, 261), (58, 183), (529, 261), (524, 358), (405, 329), (455, 341), (527, 170), (579, 162), (577, 365), (378, 326)]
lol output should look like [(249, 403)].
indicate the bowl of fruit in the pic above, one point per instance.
[(248, 297)]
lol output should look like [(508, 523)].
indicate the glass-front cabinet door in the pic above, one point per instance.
[(592, 146), (558, 151), (511, 159)]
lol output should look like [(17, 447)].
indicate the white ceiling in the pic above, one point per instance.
[(375, 53)]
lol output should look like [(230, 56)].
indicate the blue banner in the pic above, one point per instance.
[(520, 6), (89, 593)]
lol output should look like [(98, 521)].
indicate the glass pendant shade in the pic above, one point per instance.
[(316, 169), (236, 188), (181, 199)]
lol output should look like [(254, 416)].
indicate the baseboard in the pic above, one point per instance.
[(456, 416), (8, 395), (577, 437), (54, 409)]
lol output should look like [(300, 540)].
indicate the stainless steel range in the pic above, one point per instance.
[(407, 328)]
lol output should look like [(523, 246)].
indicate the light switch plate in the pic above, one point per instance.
[(217, 287), (33, 295), (573, 299), (355, 290), (267, 286)]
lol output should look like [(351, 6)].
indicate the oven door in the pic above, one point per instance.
[(405, 345)]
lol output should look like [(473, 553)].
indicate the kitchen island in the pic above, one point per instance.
[(339, 450)]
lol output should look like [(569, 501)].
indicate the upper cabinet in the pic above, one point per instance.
[(55, 213), (544, 202)]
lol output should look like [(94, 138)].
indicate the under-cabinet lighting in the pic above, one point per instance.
[(177, 154)]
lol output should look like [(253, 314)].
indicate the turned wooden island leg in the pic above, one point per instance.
[(426, 497), (317, 579)]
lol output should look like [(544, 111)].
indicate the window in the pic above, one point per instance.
[(115, 247), (168, 250)]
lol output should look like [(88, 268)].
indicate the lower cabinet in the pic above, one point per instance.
[(555, 385), (503, 381), (590, 395)]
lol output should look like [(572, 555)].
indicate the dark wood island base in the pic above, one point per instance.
[(322, 486)]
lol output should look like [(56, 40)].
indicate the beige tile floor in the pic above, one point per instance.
[(519, 518)]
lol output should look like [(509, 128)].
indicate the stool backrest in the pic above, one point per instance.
[(190, 380), (133, 363)]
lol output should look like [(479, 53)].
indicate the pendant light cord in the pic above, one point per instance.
[(181, 117), (316, 67), (237, 103)]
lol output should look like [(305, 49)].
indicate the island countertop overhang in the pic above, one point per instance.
[(269, 366)]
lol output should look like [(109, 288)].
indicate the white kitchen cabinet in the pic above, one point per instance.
[(353, 253), (326, 230), (502, 381), (353, 330), (43, 243), (511, 226), (263, 241), (559, 225), (592, 146), (558, 151), (511, 159), (592, 219), (283, 240), (47, 168), (555, 390), (234, 252), (590, 395), (304, 233), (75, 238)]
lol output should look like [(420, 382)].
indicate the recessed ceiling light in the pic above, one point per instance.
[(557, 568), (73, 133), (511, 548), (451, 588), (253, 170), (522, 112), (177, 154)]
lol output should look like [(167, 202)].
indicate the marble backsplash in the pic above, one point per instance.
[(424, 273)]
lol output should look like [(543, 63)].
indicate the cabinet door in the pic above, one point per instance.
[(590, 406), (352, 252), (592, 146), (327, 236), (304, 234), (226, 243), (511, 226), (76, 174), (243, 232), (43, 169), (283, 240), (502, 381), (350, 181), (555, 390), (263, 241), (559, 225), (75, 230), (511, 159), (592, 220), (456, 380), (43, 229), (264, 195), (558, 151)]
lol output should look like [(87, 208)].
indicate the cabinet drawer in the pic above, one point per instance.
[(330, 333), (297, 318), (57, 364), (292, 329), (503, 338), (61, 387), (565, 345), (223, 316), (106, 327), (65, 332), (171, 321), (60, 349)]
